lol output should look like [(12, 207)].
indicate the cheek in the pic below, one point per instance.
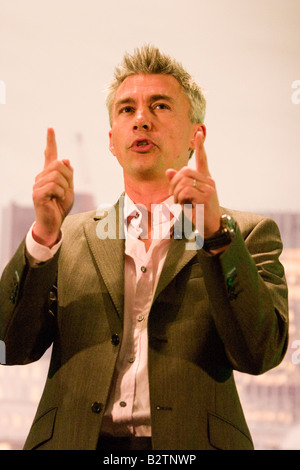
[(180, 140)]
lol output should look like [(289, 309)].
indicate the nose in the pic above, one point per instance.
[(142, 121)]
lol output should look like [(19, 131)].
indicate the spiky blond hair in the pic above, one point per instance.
[(149, 60)]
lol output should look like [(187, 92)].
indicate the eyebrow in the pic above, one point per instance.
[(161, 97), (152, 98)]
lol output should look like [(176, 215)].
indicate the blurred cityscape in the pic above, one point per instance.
[(271, 401)]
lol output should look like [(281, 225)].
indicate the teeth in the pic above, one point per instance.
[(143, 142)]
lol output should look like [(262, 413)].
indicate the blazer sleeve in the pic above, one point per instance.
[(249, 298), (27, 316)]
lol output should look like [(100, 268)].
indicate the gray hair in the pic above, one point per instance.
[(149, 60)]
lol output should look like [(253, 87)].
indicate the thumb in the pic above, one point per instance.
[(51, 148), (170, 173)]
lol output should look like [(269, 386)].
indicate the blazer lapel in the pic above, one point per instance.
[(108, 252), (181, 251)]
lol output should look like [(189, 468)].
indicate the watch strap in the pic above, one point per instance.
[(224, 236)]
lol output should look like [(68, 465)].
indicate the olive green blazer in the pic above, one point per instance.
[(210, 315)]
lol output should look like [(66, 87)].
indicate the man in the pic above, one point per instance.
[(146, 332)]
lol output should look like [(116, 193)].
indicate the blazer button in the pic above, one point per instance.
[(115, 339), (97, 407)]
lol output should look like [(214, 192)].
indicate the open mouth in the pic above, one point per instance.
[(142, 145)]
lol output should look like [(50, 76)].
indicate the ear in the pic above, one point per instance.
[(111, 144), (199, 128)]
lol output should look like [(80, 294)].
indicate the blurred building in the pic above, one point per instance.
[(272, 401)]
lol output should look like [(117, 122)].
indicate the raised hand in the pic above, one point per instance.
[(196, 186), (53, 194)]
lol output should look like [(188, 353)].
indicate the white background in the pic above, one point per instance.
[(57, 57)]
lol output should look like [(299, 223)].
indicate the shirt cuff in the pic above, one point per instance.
[(37, 253)]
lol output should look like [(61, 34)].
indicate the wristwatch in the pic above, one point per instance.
[(223, 236)]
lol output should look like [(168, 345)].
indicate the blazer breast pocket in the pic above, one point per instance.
[(41, 430)]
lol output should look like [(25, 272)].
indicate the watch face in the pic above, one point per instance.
[(228, 224), (224, 236)]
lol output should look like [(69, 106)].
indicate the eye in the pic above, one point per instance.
[(126, 110), (160, 106)]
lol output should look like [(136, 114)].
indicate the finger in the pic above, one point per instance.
[(170, 173), (200, 154), (52, 178), (56, 168), (70, 172), (48, 192), (51, 148), (187, 193)]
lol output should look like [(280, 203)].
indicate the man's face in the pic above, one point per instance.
[(151, 127)]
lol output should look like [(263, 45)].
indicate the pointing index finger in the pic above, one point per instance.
[(51, 148), (200, 154)]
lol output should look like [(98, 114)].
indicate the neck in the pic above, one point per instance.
[(147, 192)]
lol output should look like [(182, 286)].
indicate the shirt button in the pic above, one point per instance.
[(140, 318), (131, 360), (123, 404), (143, 269), (115, 339)]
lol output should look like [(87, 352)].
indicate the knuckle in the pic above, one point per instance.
[(55, 174), (56, 165), (38, 177), (185, 171), (185, 193), (210, 190), (52, 187)]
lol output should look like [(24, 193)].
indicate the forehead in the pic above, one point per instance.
[(147, 86)]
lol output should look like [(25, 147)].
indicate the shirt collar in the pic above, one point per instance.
[(164, 214), (167, 206)]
